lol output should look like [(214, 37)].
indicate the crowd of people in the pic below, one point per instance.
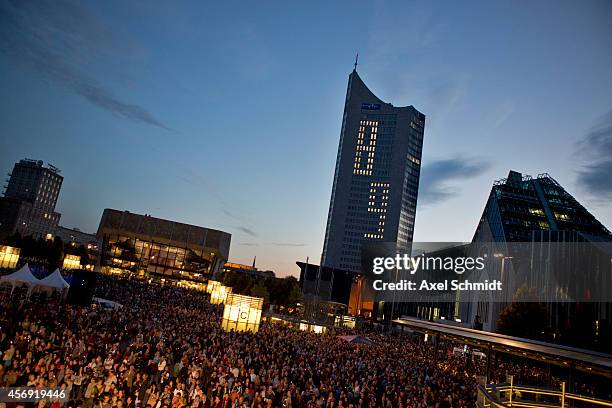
[(165, 348)]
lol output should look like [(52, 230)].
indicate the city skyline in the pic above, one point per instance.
[(235, 127)]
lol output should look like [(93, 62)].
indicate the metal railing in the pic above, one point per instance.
[(510, 395)]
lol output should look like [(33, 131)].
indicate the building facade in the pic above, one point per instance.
[(521, 204), (149, 246), (233, 267), (81, 248), (376, 179), (28, 205), (541, 237), (324, 284), (75, 236)]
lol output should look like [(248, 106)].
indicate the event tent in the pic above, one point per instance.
[(356, 339), (21, 277), (54, 281)]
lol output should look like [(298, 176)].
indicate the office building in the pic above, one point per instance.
[(376, 179), (81, 248), (149, 246), (28, 205), (329, 294), (76, 237), (521, 204), (326, 284), (541, 238)]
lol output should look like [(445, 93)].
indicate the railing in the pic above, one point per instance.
[(511, 395)]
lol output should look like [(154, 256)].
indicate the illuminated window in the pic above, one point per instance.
[(536, 211), (9, 256), (72, 262), (562, 217), (313, 328), (378, 201), (366, 142)]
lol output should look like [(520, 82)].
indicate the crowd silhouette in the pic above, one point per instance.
[(165, 348)]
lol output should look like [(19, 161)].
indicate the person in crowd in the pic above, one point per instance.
[(165, 348)]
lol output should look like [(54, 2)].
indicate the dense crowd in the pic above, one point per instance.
[(165, 348)]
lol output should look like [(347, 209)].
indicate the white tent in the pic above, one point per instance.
[(54, 281), (21, 277)]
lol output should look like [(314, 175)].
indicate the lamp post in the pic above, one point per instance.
[(502, 274)]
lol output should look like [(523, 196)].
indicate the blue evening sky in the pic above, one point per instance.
[(227, 114)]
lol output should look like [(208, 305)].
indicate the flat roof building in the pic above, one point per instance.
[(248, 269), (76, 236), (146, 245), (28, 205)]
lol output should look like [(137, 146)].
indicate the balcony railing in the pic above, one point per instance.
[(511, 395)]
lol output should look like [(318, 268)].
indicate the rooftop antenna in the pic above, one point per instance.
[(356, 60)]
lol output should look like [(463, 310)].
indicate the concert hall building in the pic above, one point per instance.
[(149, 246)]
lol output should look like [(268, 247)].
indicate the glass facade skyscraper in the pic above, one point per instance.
[(376, 179), (519, 205), (544, 239)]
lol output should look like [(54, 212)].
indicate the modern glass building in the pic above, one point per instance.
[(152, 246), (520, 204), (543, 238), (376, 180)]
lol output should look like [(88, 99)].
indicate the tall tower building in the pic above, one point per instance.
[(28, 205), (376, 180)]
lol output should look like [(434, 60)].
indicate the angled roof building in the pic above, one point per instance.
[(376, 180), (519, 205), (546, 247)]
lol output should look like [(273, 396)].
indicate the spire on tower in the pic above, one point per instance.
[(356, 60)]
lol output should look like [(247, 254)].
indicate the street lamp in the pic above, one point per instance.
[(503, 262)]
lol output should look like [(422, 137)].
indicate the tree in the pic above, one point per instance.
[(260, 290), (290, 294), (524, 319), (81, 251), (239, 282), (55, 253), (43, 252), (278, 291)]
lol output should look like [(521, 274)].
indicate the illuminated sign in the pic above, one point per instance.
[(370, 106)]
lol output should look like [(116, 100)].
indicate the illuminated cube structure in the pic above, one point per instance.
[(9, 256), (241, 313), (211, 285), (219, 294)]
